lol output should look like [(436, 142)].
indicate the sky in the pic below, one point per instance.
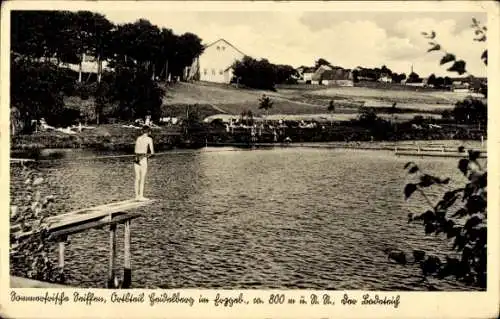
[(347, 39)]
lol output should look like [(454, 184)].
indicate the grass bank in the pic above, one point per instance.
[(114, 137), (103, 137)]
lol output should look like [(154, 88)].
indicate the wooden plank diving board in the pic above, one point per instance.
[(96, 224), (86, 215)]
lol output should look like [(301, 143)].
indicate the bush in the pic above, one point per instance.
[(29, 210), (257, 74), (37, 90), (66, 117), (137, 94), (85, 90), (470, 111)]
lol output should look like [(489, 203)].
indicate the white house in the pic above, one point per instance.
[(89, 65), (385, 78), (305, 74), (417, 84), (215, 63)]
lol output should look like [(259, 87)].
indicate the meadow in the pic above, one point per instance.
[(225, 99)]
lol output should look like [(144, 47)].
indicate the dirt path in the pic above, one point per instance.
[(218, 109)]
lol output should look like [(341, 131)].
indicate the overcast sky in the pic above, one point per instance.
[(347, 39)]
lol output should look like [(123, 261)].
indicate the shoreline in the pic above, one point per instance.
[(434, 148)]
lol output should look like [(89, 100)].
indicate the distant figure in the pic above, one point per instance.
[(142, 144)]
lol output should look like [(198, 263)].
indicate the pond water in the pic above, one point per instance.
[(255, 219)]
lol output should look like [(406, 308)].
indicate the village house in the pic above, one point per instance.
[(333, 76), (460, 86), (317, 76), (415, 84), (385, 78), (305, 74), (467, 84), (215, 63), (89, 64)]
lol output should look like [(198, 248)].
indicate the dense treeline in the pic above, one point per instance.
[(262, 74), (139, 53), (66, 36), (374, 74)]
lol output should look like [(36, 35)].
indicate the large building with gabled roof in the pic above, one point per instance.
[(215, 63)]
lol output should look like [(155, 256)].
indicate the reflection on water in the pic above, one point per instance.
[(281, 218)]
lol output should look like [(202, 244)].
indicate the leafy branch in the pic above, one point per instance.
[(458, 66), (30, 256), (461, 216)]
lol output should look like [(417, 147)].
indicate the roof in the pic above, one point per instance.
[(338, 74), (318, 75), (225, 41), (307, 69)]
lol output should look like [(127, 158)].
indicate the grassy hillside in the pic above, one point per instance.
[(214, 99), (389, 95), (230, 100), (224, 99)]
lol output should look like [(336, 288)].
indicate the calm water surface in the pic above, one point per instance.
[(280, 218)]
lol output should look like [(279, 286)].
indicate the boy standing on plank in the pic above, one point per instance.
[(142, 144)]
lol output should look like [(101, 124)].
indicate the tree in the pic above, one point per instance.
[(355, 75), (397, 78), (439, 82), (192, 122), (385, 70), (393, 110), (37, 90), (367, 116), (470, 111), (136, 93), (321, 62), (247, 117), (189, 48), (27, 30), (331, 108), (257, 74), (167, 52), (265, 103), (102, 99), (432, 80), (285, 74), (98, 37), (414, 78), (136, 44), (371, 74), (447, 81)]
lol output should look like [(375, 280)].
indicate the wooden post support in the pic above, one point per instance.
[(61, 255), (127, 270), (112, 257)]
